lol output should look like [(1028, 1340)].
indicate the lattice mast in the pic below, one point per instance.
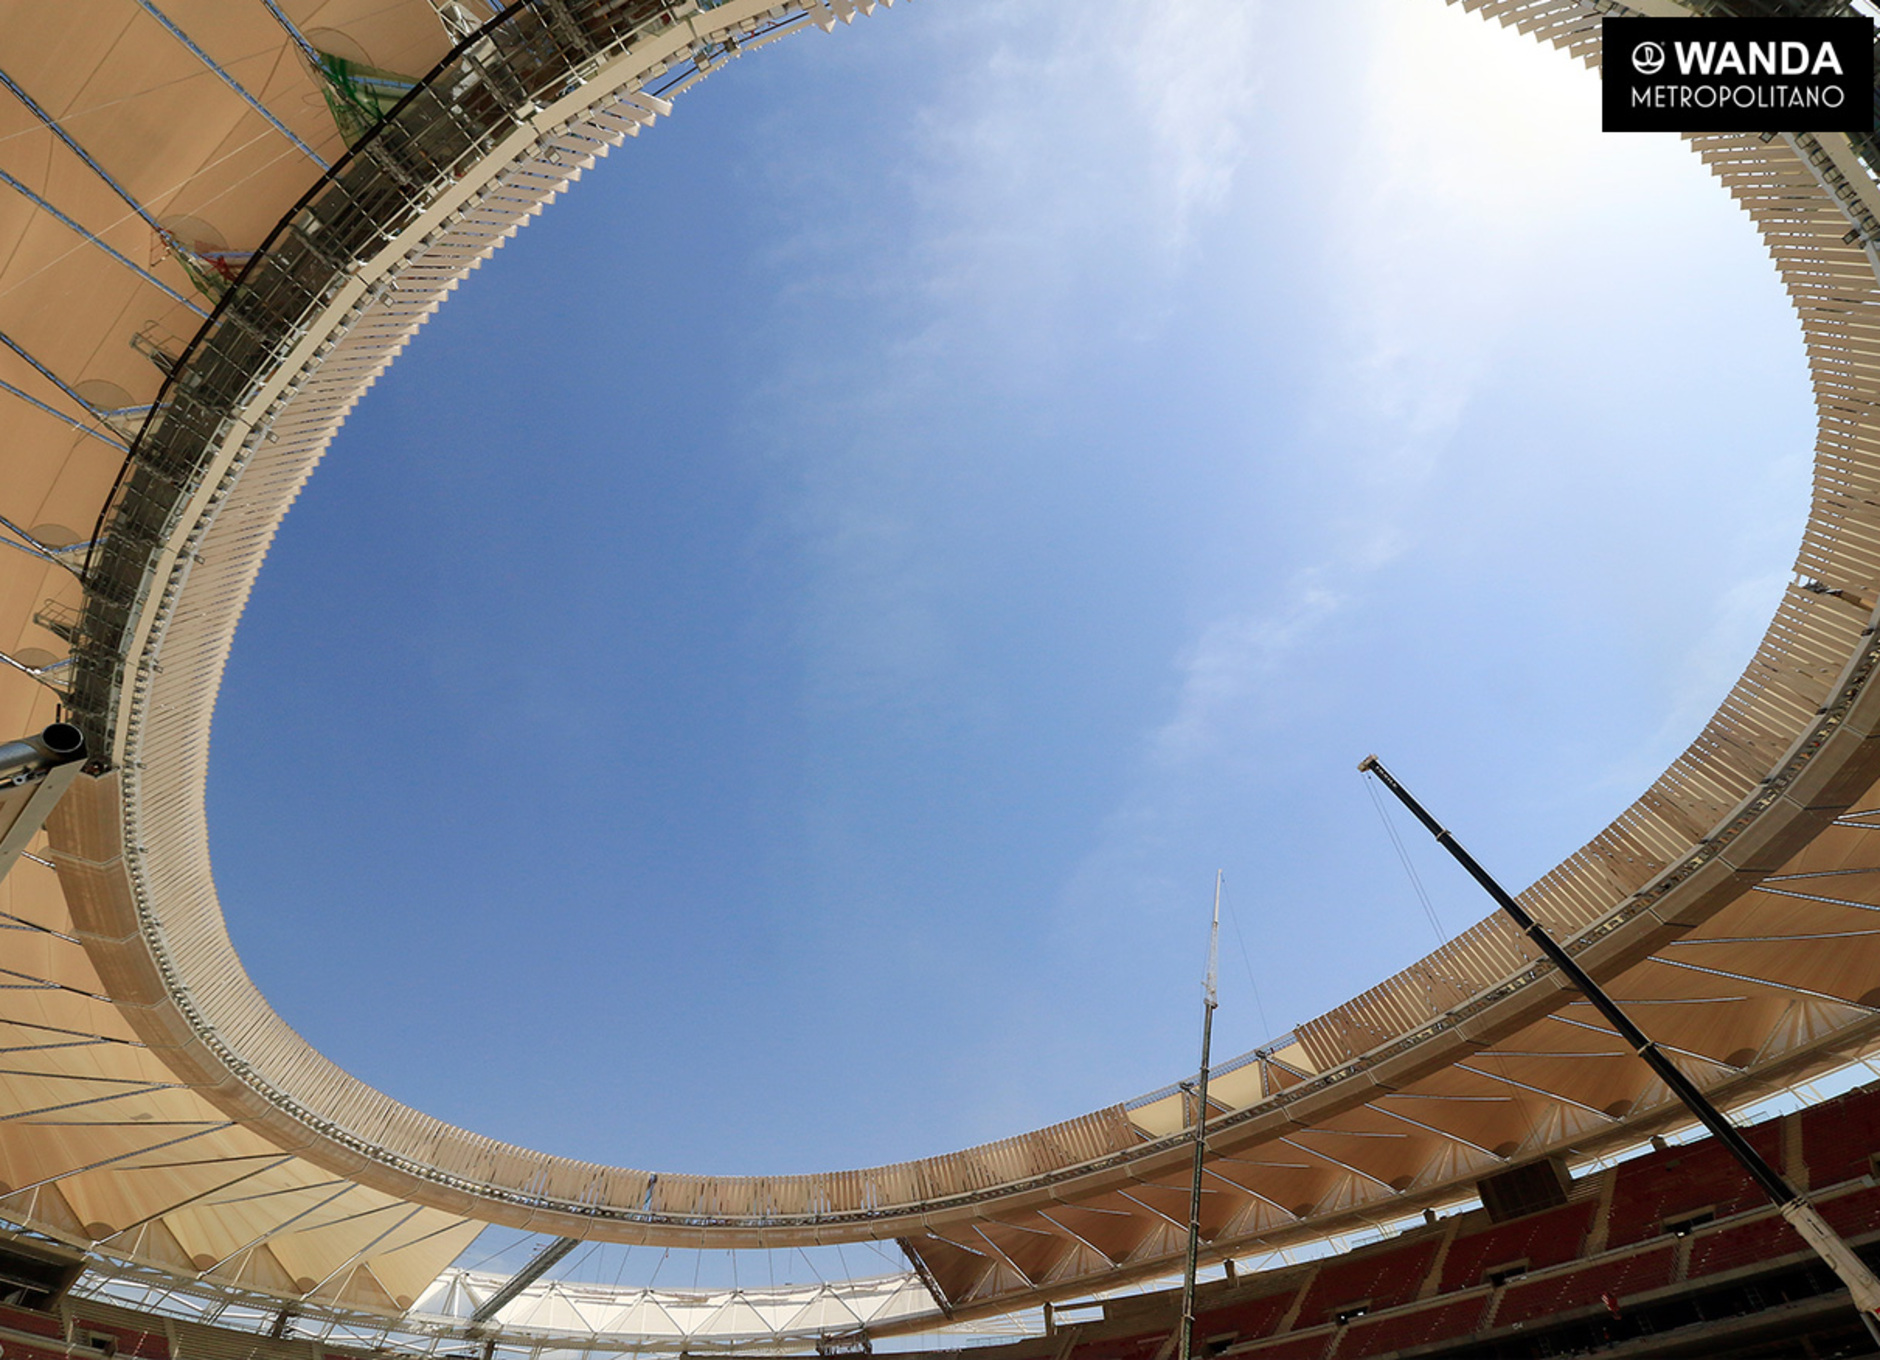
[(1209, 1000)]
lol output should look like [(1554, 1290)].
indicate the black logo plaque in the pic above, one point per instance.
[(1737, 75)]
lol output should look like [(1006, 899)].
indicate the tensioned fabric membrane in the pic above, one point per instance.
[(221, 219)]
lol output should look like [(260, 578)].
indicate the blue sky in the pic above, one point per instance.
[(766, 681)]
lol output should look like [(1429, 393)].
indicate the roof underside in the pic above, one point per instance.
[(154, 1108)]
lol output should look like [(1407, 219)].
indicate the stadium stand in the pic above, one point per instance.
[(1418, 1327), (85, 1328), (1541, 1240), (1684, 1181), (1371, 1282), (1839, 1138), (1667, 1253), (220, 222)]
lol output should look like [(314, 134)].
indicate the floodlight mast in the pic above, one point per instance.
[(1801, 1215), (1209, 1000)]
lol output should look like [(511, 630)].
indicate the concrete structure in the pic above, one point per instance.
[(220, 221)]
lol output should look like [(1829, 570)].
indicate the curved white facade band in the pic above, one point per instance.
[(1736, 872)]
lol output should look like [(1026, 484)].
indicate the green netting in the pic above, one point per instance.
[(212, 271), (360, 95)]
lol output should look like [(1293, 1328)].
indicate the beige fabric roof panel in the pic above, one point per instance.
[(157, 1108)]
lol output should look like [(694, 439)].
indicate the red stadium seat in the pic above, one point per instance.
[(1544, 1239), (1684, 1180), (1717, 1250), (144, 1343), (1296, 1347), (1382, 1277), (1434, 1321), (25, 1320), (1247, 1320), (1840, 1137), (1578, 1288), (1854, 1215)]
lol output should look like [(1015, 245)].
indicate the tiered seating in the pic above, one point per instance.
[(18, 1351), (1576, 1288), (1647, 1192), (1385, 1276), (1248, 1319), (148, 1345), (1854, 1215), (1296, 1347), (1414, 1327), (1839, 1136), (25, 1320), (1130, 1347), (147, 1337), (1714, 1251), (1684, 1179), (37, 1324), (1543, 1239)]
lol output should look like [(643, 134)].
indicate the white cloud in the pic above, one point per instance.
[(1223, 670), (1066, 146), (1088, 140), (1196, 77), (1468, 158), (1454, 199)]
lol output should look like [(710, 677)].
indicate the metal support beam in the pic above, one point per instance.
[(52, 126), (1342, 1165), (1005, 1256), (293, 32), (121, 1157), (93, 238), (130, 1228), (1842, 180), (1814, 897), (59, 556), (232, 83), (1791, 988), (1439, 1132), (364, 1251), (537, 1267), (43, 674), (69, 419), (1690, 1053), (1801, 1215), (34, 774), (279, 1228), (924, 1273), (49, 375)]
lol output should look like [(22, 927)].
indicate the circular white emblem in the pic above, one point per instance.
[(1648, 58)]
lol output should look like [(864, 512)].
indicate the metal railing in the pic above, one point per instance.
[(487, 87)]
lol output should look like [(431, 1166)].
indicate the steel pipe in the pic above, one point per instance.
[(60, 744)]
